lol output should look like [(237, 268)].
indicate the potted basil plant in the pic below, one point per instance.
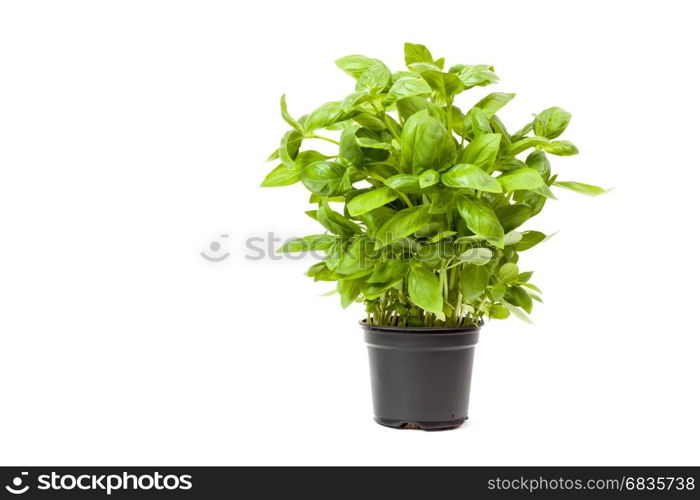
[(421, 204)]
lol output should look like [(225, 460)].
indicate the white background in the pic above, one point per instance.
[(133, 133)]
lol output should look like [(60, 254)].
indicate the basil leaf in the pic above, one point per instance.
[(482, 151), (406, 87), (402, 224), (470, 176), (282, 175), (479, 121), (424, 289), (561, 148), (285, 114), (473, 281), (529, 240), (350, 149), (349, 290), (414, 52), (355, 65), (580, 187), (426, 144), (522, 178), (493, 102), (388, 270), (428, 178), (323, 177), (519, 297), (551, 122), (374, 79), (477, 75), (323, 116), (508, 272), (477, 256), (481, 219), (538, 160), (513, 216), (336, 223), (499, 311), (371, 200), (406, 183), (308, 243)]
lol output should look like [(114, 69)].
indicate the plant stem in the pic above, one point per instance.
[(324, 139)]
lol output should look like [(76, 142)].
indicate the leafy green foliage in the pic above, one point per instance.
[(433, 196)]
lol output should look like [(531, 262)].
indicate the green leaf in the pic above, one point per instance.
[(426, 144), (512, 238), (477, 256), (406, 183), (285, 114), (561, 148), (519, 297), (323, 116), (493, 102), (529, 240), (538, 160), (527, 143), (370, 200), (375, 290), (518, 313), (445, 84), (354, 260), (349, 290), (473, 281), (289, 147), (481, 219), (350, 149), (282, 175), (522, 178), (414, 52), (442, 235), (375, 78), (308, 243), (508, 272), (376, 218), (479, 121), (580, 187), (323, 177), (477, 75), (368, 142), (513, 216), (408, 86), (404, 223), (482, 151), (388, 270), (408, 106), (355, 65), (551, 122), (470, 176), (428, 178), (424, 289), (499, 311), (440, 202), (336, 223)]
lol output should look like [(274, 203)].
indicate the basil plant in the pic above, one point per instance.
[(422, 201)]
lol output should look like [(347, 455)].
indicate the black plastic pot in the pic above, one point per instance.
[(420, 376)]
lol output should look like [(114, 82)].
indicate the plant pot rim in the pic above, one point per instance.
[(421, 330)]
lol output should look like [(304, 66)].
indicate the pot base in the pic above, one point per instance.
[(426, 426)]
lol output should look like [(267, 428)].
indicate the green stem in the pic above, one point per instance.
[(324, 139)]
